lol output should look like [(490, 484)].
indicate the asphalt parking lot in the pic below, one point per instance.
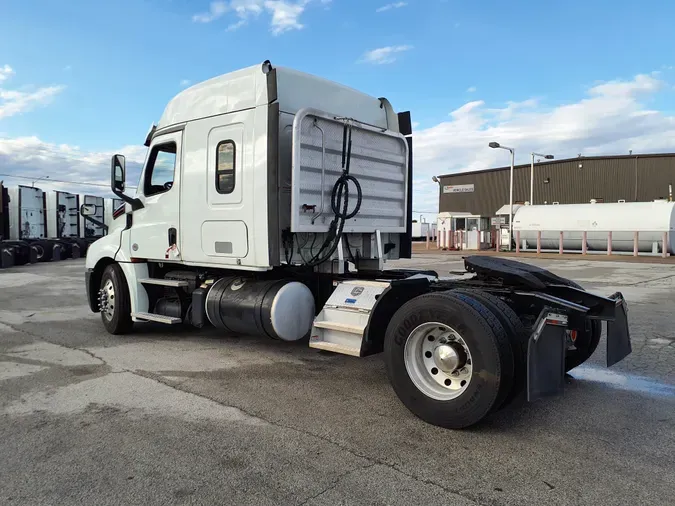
[(177, 416)]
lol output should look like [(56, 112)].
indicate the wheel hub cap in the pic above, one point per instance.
[(106, 299), (438, 361), (448, 358)]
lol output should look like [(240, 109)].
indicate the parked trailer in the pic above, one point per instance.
[(421, 229), (63, 222), (12, 252), (326, 181), (28, 223), (91, 230)]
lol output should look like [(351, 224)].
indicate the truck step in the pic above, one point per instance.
[(175, 283), (342, 327), (341, 324), (336, 348), (159, 318)]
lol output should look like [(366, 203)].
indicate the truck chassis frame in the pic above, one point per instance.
[(547, 325)]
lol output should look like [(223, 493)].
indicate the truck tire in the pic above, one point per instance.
[(114, 300), (586, 344), (516, 332), (448, 359), (587, 340), (44, 251)]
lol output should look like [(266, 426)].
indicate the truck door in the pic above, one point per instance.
[(154, 233)]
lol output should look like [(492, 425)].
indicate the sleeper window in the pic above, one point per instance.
[(160, 170), (225, 164)]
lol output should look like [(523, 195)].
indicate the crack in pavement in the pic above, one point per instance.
[(644, 282), (336, 482), (372, 460), (46, 340)]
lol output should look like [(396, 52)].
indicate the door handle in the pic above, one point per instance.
[(172, 236)]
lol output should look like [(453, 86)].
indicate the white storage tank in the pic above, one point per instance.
[(650, 219)]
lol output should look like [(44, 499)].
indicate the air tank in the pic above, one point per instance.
[(650, 219)]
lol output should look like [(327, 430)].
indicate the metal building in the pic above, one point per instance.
[(633, 178)]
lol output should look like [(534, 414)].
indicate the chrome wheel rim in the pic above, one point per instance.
[(438, 361), (107, 299)]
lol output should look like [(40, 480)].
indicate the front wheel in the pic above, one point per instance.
[(114, 301), (448, 359)]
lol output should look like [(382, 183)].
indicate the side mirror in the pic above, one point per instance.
[(118, 173), (88, 210), (117, 179)]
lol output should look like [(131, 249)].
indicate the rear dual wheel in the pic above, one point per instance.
[(449, 359), (44, 251), (586, 342)]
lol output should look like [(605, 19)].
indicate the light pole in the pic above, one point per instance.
[(32, 185), (435, 179), (548, 157), (496, 145)]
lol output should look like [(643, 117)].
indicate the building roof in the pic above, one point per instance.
[(563, 160)]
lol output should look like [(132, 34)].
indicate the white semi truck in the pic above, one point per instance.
[(268, 204)]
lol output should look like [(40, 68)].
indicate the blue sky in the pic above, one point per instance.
[(80, 80)]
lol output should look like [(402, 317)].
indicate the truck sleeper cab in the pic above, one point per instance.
[(268, 204)]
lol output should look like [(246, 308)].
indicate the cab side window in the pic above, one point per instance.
[(159, 172), (225, 166)]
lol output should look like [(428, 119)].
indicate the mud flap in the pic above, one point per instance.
[(6, 256), (618, 333), (546, 356), (57, 252), (32, 254)]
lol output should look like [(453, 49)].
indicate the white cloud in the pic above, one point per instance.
[(6, 72), (641, 84), (471, 89), (32, 157), (395, 5), (216, 10), (67, 68), (611, 119), (284, 14), (383, 54), (13, 102), (184, 83), (236, 26)]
